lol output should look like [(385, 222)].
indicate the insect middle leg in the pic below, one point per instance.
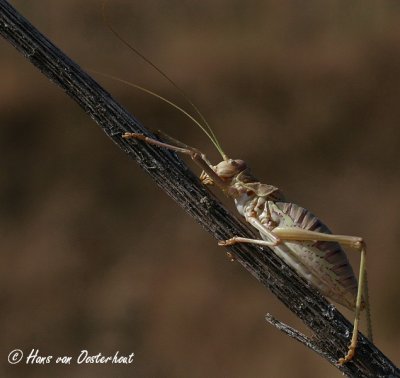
[(282, 234)]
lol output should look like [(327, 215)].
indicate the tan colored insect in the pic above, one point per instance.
[(296, 235)]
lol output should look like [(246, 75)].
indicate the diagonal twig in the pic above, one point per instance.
[(295, 334)]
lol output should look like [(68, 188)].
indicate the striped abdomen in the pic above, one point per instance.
[(324, 264)]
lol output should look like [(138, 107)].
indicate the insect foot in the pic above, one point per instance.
[(206, 179), (133, 136), (224, 243), (349, 356)]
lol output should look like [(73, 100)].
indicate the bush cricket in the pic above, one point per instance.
[(295, 234)]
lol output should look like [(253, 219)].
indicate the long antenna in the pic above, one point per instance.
[(169, 102), (206, 128)]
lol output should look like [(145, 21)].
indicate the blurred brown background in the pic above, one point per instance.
[(94, 256)]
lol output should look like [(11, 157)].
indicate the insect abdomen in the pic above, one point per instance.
[(324, 264)]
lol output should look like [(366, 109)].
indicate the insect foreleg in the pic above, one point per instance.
[(198, 157)]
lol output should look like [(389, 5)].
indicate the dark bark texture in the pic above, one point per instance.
[(331, 331)]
